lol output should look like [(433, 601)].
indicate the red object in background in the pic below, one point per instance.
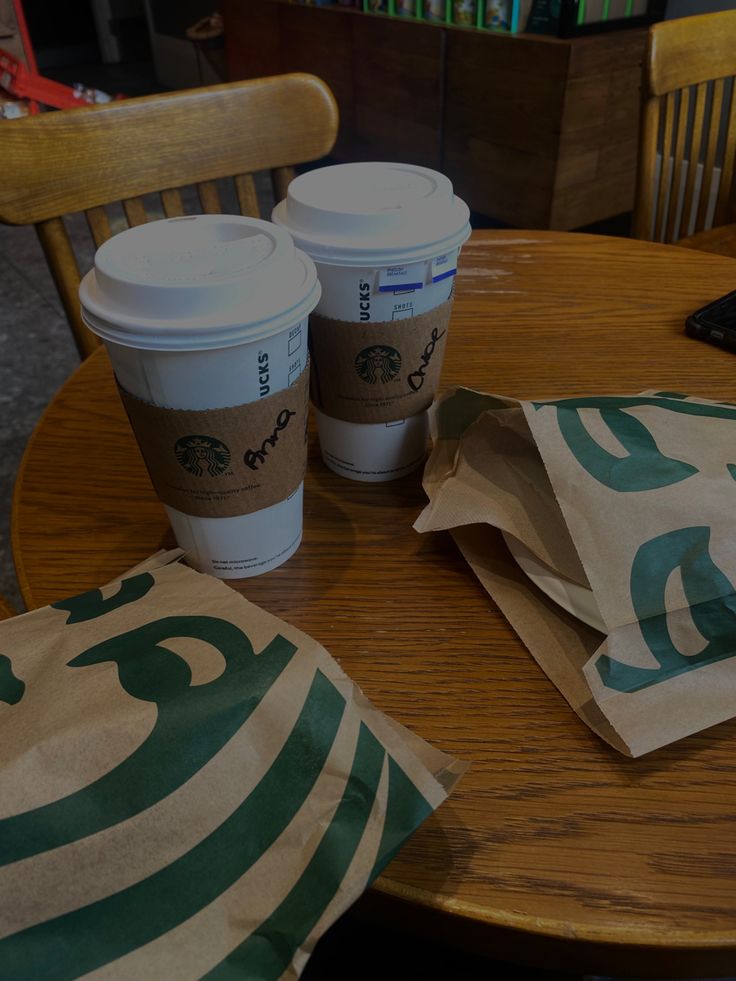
[(25, 39), (22, 83), (19, 78), (24, 106)]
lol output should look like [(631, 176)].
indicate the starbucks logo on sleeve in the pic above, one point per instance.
[(380, 363), (202, 455)]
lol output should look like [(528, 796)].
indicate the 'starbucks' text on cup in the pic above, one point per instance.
[(385, 238), (205, 321)]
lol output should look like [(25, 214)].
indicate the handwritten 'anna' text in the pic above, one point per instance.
[(253, 458)]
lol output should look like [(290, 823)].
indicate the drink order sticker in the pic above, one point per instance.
[(444, 266), (394, 279)]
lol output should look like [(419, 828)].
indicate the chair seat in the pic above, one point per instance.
[(721, 240)]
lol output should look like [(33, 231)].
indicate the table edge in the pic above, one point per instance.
[(553, 929)]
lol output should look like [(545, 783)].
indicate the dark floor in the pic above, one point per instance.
[(356, 951), (36, 356)]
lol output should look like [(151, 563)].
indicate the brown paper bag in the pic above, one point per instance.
[(189, 787), (629, 497)]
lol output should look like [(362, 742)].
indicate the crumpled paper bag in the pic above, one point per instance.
[(189, 786), (630, 496)]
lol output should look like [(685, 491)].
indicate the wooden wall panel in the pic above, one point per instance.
[(511, 101), (533, 131), (252, 45), (397, 72), (319, 40), (600, 54), (502, 117), (599, 131), (510, 185)]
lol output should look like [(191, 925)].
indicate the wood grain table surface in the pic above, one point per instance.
[(554, 849)]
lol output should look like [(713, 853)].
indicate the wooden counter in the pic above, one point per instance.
[(533, 131)]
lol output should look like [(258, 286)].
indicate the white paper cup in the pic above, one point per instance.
[(203, 313), (369, 226), (374, 452)]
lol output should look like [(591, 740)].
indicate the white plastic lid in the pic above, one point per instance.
[(205, 281), (373, 214)]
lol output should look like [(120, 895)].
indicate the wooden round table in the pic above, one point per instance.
[(554, 849)]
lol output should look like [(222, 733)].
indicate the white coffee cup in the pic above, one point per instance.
[(208, 312), (385, 238)]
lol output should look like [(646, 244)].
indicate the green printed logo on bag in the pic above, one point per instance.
[(254, 858), (108, 929), (11, 688), (712, 607), (201, 718), (644, 467), (90, 605)]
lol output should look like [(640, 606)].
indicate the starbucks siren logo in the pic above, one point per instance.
[(379, 363), (202, 455)]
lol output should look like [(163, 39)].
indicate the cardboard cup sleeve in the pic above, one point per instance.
[(218, 463), (377, 372)]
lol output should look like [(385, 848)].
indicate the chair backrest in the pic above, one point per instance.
[(688, 128), (58, 163), (6, 610)]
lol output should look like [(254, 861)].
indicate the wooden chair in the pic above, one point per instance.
[(6, 610), (688, 129), (57, 163)]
